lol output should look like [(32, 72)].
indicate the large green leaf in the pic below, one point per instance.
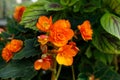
[(34, 11), (106, 43), (28, 51), (100, 72), (111, 24), (104, 72), (22, 68)]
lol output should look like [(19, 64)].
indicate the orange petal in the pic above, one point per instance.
[(46, 65), (38, 64), (15, 45), (68, 50), (67, 61), (62, 23), (6, 54)]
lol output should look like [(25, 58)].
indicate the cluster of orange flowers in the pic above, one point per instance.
[(11, 48), (59, 34)]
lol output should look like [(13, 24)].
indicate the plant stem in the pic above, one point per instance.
[(73, 72), (58, 73), (53, 71), (116, 62)]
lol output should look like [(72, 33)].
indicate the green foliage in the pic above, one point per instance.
[(111, 24), (37, 9), (14, 69), (28, 51), (106, 43), (114, 5), (104, 72), (96, 57), (100, 72)]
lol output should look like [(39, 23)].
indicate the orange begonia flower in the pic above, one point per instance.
[(44, 23), (60, 33), (85, 30), (18, 12), (15, 45), (44, 64), (43, 39), (65, 55), (6, 54)]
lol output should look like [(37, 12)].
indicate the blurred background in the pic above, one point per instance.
[(7, 8)]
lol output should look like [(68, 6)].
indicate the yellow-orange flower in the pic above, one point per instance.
[(85, 30), (15, 45), (65, 54), (44, 23), (6, 54), (60, 33), (18, 12), (44, 64)]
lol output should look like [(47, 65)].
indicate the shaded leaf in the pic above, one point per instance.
[(105, 58), (104, 72), (82, 76), (14, 69), (28, 51), (111, 24), (5, 35), (114, 5), (53, 7), (106, 43), (72, 2)]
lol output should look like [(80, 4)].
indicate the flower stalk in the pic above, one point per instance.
[(58, 73)]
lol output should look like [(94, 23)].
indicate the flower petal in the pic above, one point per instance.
[(67, 61), (6, 54), (38, 64)]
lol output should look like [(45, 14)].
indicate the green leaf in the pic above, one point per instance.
[(72, 2), (2, 62), (106, 43), (5, 35), (32, 13), (53, 7), (104, 72), (64, 2), (28, 51), (111, 24), (91, 5), (77, 6), (115, 6), (11, 26), (82, 76), (88, 52), (1, 45), (105, 58), (14, 69), (35, 10)]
